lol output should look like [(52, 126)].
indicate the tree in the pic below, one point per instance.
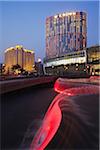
[(16, 67), (2, 69)]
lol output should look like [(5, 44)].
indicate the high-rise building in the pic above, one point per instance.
[(19, 55), (39, 67), (65, 33)]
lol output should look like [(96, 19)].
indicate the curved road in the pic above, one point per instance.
[(19, 109)]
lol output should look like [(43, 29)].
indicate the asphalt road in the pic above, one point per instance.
[(19, 110)]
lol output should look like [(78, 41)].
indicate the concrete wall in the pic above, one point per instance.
[(17, 84)]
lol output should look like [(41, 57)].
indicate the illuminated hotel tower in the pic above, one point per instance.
[(19, 55), (65, 33)]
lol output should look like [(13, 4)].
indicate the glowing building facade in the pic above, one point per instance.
[(19, 55), (93, 55), (65, 33)]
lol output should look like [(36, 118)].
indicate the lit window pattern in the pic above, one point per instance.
[(19, 55), (65, 33)]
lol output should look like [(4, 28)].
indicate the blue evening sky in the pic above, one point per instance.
[(23, 22)]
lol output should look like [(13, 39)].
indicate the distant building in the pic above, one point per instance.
[(93, 59), (39, 67), (65, 33), (66, 41), (93, 54), (19, 55), (67, 65), (84, 62)]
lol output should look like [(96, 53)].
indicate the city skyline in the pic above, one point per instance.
[(27, 25)]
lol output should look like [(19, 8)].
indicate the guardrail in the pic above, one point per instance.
[(12, 85)]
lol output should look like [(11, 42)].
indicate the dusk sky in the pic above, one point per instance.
[(24, 23)]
